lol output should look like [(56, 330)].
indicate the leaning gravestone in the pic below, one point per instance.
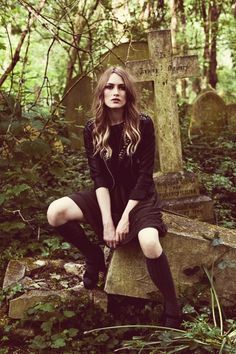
[(190, 246), (209, 115)]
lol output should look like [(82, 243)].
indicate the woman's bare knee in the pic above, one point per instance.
[(62, 210), (149, 242)]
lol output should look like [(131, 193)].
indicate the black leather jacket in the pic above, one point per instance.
[(135, 172)]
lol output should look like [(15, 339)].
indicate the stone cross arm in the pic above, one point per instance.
[(147, 70)]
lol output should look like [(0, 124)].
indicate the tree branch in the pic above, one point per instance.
[(16, 55)]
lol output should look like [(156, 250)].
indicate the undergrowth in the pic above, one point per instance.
[(38, 165)]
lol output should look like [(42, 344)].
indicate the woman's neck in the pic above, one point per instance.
[(116, 116)]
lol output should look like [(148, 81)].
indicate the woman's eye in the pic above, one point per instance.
[(109, 87), (122, 87)]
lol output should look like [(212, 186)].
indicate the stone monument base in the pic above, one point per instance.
[(179, 192), (200, 208)]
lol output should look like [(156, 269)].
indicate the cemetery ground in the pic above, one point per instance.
[(58, 326)]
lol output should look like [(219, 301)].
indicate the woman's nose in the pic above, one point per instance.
[(115, 90)]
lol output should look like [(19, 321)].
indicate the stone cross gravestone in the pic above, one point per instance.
[(178, 190), (163, 70)]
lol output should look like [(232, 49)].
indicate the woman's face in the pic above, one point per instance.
[(114, 92)]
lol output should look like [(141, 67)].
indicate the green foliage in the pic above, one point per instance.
[(213, 161), (199, 335)]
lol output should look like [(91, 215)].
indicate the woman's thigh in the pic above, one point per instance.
[(62, 210)]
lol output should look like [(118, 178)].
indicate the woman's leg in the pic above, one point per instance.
[(65, 215), (159, 271)]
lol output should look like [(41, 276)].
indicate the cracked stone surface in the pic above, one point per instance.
[(189, 245)]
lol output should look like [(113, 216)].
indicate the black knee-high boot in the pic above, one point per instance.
[(73, 233), (161, 276)]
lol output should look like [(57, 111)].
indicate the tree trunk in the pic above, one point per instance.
[(210, 25), (206, 53), (184, 44), (174, 24), (214, 12)]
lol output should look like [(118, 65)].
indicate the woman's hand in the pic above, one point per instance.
[(122, 228), (109, 234)]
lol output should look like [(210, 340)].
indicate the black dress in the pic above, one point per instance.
[(147, 213)]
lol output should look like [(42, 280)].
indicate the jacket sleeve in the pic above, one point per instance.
[(94, 161), (146, 156)]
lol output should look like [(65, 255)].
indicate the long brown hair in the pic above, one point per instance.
[(101, 131)]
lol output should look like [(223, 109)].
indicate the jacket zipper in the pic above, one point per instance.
[(113, 180)]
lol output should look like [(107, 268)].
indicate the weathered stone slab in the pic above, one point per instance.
[(18, 307), (189, 246), (209, 115), (200, 207), (15, 271)]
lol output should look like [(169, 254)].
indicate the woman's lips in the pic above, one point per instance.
[(115, 100)]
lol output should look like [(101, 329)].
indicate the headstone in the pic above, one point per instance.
[(178, 190), (231, 116), (77, 105), (189, 245), (209, 115), (163, 70), (14, 273)]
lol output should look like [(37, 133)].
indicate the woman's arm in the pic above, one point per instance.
[(122, 228), (94, 161), (146, 155), (104, 202), (144, 178)]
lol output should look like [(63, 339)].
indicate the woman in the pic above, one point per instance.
[(120, 147)]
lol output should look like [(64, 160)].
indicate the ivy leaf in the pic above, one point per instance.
[(69, 314), (65, 246), (39, 343), (72, 332), (58, 342), (47, 326)]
